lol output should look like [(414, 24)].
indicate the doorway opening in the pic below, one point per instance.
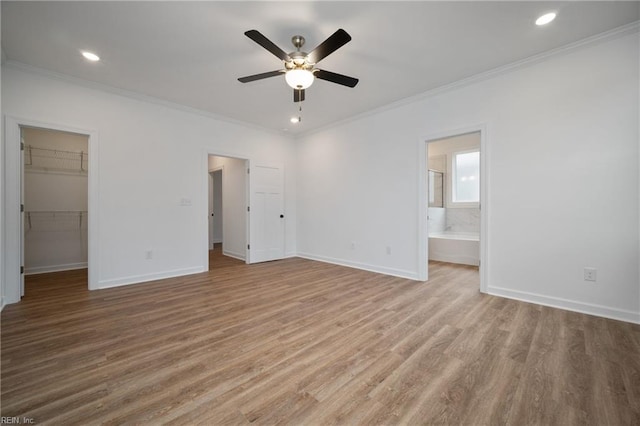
[(15, 218), (455, 189), (55, 199), (227, 214)]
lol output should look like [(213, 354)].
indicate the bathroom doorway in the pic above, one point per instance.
[(455, 191)]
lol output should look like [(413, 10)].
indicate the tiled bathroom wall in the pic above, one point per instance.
[(437, 220), (462, 220)]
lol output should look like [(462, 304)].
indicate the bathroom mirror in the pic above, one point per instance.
[(436, 189)]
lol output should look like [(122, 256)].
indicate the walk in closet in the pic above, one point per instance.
[(55, 200)]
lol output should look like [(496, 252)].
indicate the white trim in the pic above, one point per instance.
[(135, 95), (463, 260), (400, 273), (495, 72), (54, 268), (13, 173), (11, 225), (423, 231), (569, 305), (138, 279), (423, 205), (487, 75)]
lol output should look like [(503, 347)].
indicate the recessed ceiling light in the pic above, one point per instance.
[(294, 119), (546, 18), (90, 56)]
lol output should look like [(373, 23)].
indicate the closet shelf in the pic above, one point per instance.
[(45, 159), (58, 220)]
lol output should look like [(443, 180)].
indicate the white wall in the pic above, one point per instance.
[(54, 181), (562, 157), (234, 205), (151, 158)]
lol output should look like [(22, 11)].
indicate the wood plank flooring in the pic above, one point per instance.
[(306, 343)]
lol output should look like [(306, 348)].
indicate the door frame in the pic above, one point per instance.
[(423, 231), (205, 206), (13, 179)]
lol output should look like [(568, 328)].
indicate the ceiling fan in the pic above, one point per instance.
[(299, 67)]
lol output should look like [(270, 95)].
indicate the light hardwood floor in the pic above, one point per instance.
[(305, 343)]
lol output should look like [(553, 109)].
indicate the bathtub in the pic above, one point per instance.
[(455, 247)]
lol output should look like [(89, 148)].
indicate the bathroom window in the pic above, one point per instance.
[(465, 178)]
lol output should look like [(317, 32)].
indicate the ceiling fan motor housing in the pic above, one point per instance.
[(298, 41), (298, 58)]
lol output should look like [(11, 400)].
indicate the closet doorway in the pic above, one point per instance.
[(55, 198)]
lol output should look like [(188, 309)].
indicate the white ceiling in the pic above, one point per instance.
[(191, 53)]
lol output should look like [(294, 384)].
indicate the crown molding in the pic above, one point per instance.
[(136, 96), (613, 34), (619, 32)]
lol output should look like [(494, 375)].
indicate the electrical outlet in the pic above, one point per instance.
[(590, 274), (148, 254)]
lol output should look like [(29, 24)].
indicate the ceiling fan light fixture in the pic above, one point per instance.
[(546, 18), (90, 56), (299, 79)]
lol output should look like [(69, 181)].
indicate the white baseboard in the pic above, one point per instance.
[(137, 279), (239, 256), (54, 268), (412, 275), (464, 260), (569, 305)]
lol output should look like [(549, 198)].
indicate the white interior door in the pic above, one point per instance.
[(266, 237)]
